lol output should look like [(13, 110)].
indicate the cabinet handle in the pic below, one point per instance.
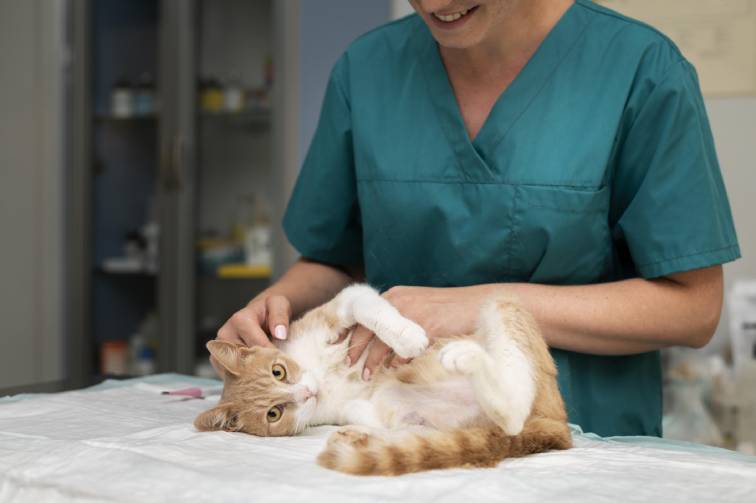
[(179, 151), (172, 163), (165, 163)]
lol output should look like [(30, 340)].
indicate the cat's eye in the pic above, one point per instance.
[(279, 372), (274, 414)]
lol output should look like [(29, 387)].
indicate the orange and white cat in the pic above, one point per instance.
[(467, 401)]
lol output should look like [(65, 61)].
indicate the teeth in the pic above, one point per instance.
[(448, 18)]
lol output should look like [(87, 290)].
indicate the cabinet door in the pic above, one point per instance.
[(221, 169), (237, 189), (177, 185)]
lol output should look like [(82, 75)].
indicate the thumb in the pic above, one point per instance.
[(279, 311)]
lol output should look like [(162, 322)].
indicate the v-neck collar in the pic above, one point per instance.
[(474, 156)]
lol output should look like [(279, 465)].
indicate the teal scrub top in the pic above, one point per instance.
[(596, 164)]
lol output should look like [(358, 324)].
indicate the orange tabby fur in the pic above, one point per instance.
[(478, 441), (480, 445)]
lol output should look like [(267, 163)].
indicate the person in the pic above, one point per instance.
[(551, 149)]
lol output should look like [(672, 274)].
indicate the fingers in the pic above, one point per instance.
[(376, 354), (360, 339), (279, 312), (244, 328), (253, 335), (398, 360), (342, 335), (389, 360)]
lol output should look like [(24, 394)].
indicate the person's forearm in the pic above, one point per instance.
[(308, 284), (624, 317)]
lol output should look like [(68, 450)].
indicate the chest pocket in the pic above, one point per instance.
[(561, 235)]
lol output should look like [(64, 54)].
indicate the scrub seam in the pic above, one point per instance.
[(514, 225), (548, 79), (695, 254), (609, 13), (582, 188), (562, 210)]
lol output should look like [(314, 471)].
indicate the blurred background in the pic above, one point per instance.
[(148, 148)]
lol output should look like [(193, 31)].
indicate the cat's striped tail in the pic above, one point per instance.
[(394, 453)]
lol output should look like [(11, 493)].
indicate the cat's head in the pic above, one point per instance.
[(265, 392)]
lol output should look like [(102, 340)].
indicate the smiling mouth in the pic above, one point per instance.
[(453, 16)]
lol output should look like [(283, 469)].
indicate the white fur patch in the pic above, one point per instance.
[(345, 302), (462, 357), (515, 389), (404, 336)]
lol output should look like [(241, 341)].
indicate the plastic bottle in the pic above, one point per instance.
[(745, 390), (122, 99)]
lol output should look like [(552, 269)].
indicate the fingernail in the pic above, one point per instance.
[(348, 361), (366, 374), (280, 332)]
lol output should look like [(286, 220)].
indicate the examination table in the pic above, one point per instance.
[(125, 441)]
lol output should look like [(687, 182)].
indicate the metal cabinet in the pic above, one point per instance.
[(192, 160)]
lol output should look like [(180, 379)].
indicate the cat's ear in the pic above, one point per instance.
[(220, 417), (227, 354)]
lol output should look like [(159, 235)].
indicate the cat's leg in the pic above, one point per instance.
[(364, 305), (405, 337), (499, 368), (338, 312)]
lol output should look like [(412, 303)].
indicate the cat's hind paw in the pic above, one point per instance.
[(353, 436), (461, 357)]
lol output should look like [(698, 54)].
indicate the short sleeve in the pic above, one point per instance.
[(322, 218), (669, 205)]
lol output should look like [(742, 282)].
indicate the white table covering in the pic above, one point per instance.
[(124, 441)]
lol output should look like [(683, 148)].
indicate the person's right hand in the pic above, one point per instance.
[(252, 325)]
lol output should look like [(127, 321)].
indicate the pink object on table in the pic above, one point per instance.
[(192, 392)]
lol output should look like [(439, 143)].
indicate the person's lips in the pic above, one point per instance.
[(452, 19)]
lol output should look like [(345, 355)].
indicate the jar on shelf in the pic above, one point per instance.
[(122, 99), (114, 358), (233, 95), (211, 96), (254, 229), (144, 96)]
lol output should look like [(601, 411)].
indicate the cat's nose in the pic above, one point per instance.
[(304, 393)]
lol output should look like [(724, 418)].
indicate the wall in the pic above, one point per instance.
[(400, 8), (733, 121), (326, 29), (31, 175), (323, 32)]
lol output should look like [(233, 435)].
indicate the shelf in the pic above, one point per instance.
[(243, 271), (135, 119), (257, 119), (125, 274)]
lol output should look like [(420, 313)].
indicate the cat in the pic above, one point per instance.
[(467, 401)]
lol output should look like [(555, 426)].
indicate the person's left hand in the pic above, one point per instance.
[(442, 312)]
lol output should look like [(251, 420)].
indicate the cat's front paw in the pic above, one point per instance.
[(461, 357), (409, 341)]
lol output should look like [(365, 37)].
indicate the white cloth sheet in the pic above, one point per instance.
[(130, 443)]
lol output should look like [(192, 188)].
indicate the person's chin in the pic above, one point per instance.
[(463, 38)]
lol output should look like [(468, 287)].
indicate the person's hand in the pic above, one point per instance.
[(442, 312), (252, 325)]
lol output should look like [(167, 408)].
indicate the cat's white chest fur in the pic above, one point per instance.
[(323, 365), (344, 398)]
